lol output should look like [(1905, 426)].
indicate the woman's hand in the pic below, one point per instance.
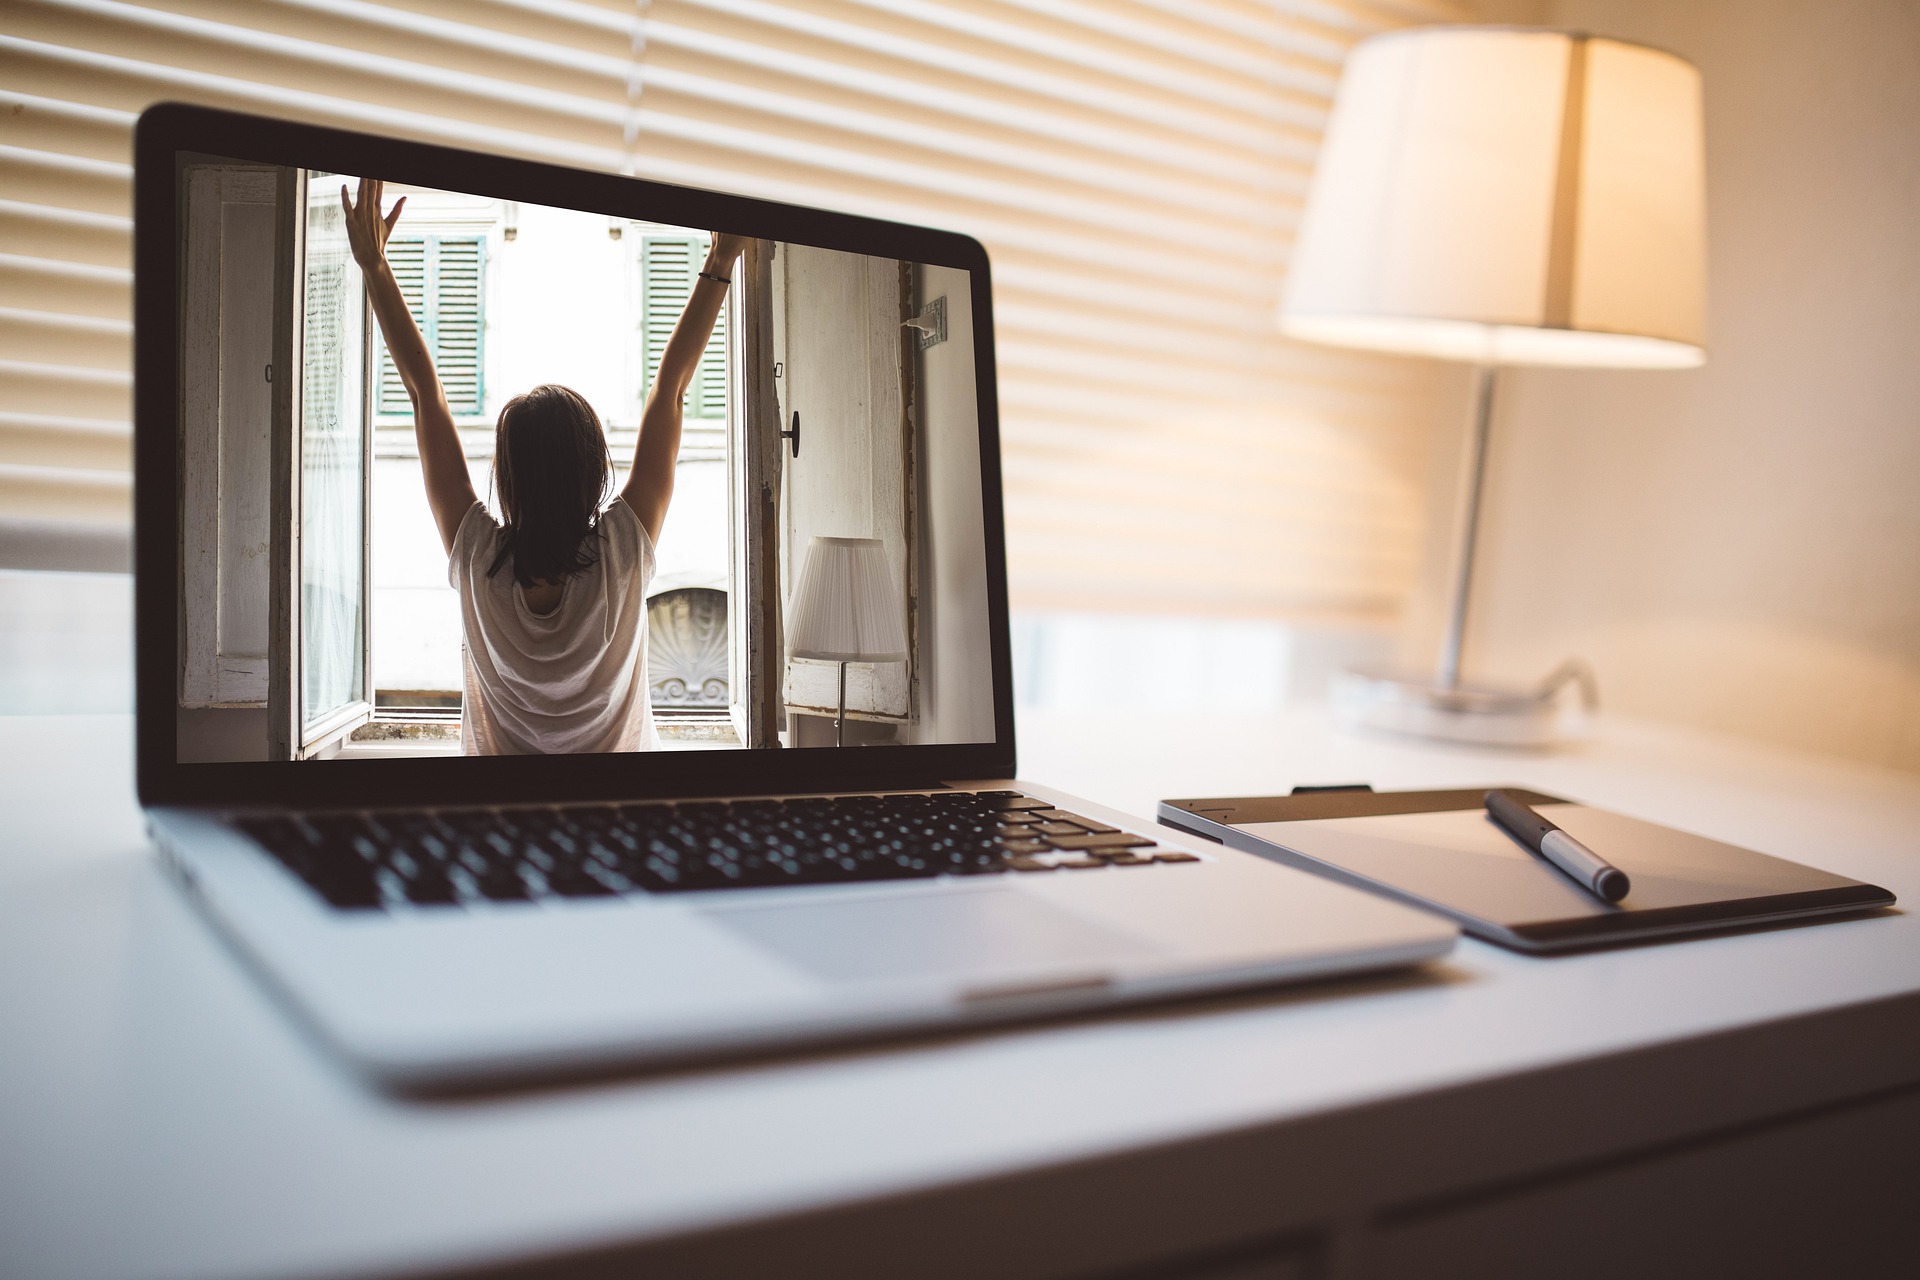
[(723, 251), (367, 231)]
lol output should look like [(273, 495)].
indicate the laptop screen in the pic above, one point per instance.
[(624, 469)]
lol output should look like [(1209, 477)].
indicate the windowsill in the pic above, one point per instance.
[(399, 732), (410, 725)]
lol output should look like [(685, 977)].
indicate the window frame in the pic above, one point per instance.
[(291, 735)]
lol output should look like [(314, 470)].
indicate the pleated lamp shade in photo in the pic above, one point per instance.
[(1502, 196), (847, 608)]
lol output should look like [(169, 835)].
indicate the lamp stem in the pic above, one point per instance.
[(840, 721), (1449, 676)]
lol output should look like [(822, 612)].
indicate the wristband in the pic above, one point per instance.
[(708, 275)]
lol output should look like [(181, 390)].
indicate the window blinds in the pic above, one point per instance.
[(1135, 168)]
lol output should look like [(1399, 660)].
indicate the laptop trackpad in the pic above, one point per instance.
[(984, 931)]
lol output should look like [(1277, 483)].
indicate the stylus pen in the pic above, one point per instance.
[(1595, 874)]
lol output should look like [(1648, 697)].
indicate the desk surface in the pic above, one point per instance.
[(160, 1115)]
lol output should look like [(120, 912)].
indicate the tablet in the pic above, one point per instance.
[(1441, 851)]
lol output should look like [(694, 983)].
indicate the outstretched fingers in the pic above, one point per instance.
[(367, 229)]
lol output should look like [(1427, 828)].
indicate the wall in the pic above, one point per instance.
[(1738, 547), (956, 668), (66, 643), (235, 215)]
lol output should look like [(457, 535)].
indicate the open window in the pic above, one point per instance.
[(322, 677), (480, 277), (275, 464)]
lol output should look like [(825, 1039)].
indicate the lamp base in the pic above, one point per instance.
[(1483, 715)]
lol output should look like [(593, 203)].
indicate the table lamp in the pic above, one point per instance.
[(1502, 196), (847, 609)]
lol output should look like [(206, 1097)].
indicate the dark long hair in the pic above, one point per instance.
[(553, 473)]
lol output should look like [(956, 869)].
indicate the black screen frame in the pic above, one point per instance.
[(168, 129)]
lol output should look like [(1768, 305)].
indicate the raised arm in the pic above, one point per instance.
[(449, 488), (649, 486)]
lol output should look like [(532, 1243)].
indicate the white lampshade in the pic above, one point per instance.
[(847, 608), (1508, 196)]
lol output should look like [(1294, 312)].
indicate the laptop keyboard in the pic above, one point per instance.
[(453, 856)]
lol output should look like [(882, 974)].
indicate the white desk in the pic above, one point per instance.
[(160, 1116)]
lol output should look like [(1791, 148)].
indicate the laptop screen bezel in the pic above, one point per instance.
[(161, 135)]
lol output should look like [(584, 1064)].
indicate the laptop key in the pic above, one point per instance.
[(1011, 801), (432, 886), (1092, 825), (578, 884), (1113, 840)]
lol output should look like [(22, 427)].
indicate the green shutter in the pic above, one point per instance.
[(457, 288), (408, 258), (443, 279), (669, 265)]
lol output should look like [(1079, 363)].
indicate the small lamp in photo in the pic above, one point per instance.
[(847, 608)]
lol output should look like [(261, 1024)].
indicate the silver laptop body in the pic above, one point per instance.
[(1061, 904)]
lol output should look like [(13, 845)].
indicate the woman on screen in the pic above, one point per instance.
[(553, 601)]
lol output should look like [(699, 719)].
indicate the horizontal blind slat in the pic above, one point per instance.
[(187, 43), (66, 493), (52, 337), (65, 288), (54, 389), (959, 194), (1165, 57), (960, 109), (1150, 105), (66, 444), (128, 82), (970, 154)]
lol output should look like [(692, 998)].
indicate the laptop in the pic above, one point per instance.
[(821, 835)]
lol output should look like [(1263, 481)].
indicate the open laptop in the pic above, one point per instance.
[(825, 841)]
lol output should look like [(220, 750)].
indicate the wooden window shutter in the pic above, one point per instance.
[(443, 279), (458, 280), (669, 265), (407, 255)]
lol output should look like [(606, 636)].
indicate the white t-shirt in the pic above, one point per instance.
[(572, 680)]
